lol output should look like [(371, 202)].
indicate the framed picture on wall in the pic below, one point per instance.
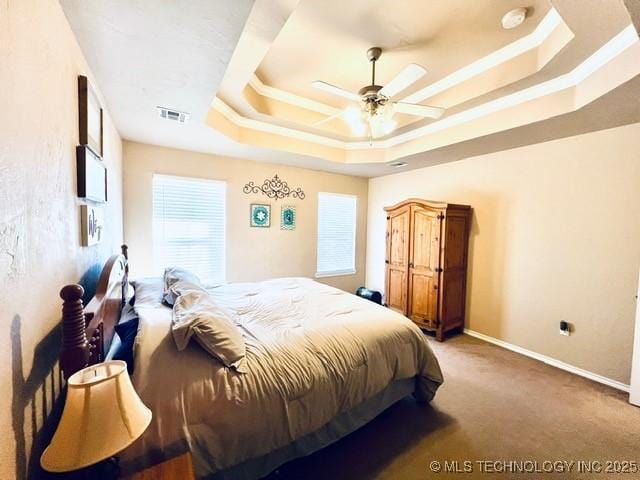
[(90, 116), (92, 175), (288, 217), (92, 224), (260, 215)]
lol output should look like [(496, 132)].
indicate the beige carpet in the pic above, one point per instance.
[(495, 405)]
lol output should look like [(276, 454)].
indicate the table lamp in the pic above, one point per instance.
[(102, 416)]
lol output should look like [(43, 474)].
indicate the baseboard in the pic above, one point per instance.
[(550, 361)]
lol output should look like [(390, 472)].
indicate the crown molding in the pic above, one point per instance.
[(291, 98)]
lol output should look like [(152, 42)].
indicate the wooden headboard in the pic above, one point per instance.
[(87, 331)]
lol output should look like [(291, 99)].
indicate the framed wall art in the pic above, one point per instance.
[(288, 217), (92, 175), (92, 226), (260, 215), (90, 116)]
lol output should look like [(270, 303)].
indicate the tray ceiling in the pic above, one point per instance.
[(257, 62), (489, 79)]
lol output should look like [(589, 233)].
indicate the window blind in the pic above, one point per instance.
[(336, 234), (189, 225)]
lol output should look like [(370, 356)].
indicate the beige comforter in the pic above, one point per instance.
[(313, 352)]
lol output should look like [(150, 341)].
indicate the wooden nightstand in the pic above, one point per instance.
[(178, 468)]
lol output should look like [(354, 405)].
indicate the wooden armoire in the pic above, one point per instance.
[(426, 263)]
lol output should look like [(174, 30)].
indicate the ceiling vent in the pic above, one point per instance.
[(398, 164), (173, 115)]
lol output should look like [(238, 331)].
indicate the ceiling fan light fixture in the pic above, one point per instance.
[(387, 121), (371, 118), (353, 114), (381, 122), (355, 119), (377, 107)]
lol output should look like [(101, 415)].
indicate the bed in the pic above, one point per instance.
[(321, 363)]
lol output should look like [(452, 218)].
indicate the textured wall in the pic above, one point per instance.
[(252, 253), (39, 216), (555, 236)]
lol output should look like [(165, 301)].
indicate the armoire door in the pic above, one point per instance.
[(424, 265), (453, 279), (397, 260)]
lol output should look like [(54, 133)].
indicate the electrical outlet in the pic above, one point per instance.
[(565, 328)]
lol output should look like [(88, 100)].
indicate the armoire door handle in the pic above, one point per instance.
[(411, 265)]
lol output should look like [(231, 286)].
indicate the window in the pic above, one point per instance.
[(336, 234), (189, 225)]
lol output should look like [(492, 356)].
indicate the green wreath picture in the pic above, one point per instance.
[(260, 215)]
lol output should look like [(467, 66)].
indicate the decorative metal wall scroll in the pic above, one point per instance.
[(274, 188)]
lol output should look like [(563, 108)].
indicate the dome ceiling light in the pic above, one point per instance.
[(514, 18)]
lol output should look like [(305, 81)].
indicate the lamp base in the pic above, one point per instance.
[(108, 469)]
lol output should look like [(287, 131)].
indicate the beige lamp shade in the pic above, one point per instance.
[(102, 416)]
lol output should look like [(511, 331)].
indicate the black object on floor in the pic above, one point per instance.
[(372, 295)]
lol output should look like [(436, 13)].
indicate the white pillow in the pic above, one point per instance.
[(174, 276), (148, 291)]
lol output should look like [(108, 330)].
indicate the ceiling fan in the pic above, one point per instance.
[(373, 114)]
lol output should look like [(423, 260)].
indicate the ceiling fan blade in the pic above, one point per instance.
[(418, 110), (410, 74), (327, 87), (329, 118)]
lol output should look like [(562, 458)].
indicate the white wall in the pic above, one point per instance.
[(40, 216), (555, 236), (252, 253)]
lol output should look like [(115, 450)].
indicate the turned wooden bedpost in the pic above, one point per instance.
[(75, 348)]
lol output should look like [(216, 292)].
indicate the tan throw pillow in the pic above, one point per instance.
[(195, 314), (178, 289)]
